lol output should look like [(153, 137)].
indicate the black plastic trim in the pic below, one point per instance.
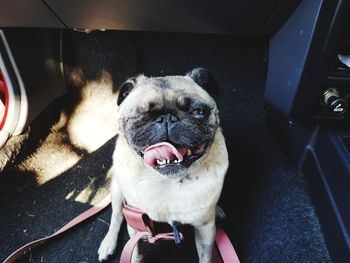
[(327, 165)]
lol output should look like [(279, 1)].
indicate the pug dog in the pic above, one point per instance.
[(170, 157)]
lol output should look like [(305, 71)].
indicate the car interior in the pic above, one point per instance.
[(283, 72)]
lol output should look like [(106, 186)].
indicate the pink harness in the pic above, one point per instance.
[(145, 230), (223, 252)]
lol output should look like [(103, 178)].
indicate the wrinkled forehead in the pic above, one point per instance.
[(179, 83), (171, 87), (163, 91)]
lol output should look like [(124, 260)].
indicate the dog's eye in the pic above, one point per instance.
[(126, 93), (199, 113)]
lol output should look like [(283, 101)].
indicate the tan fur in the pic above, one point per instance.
[(166, 199), (147, 92), (190, 199)]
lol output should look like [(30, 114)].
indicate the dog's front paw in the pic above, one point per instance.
[(107, 248)]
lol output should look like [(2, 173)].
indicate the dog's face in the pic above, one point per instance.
[(170, 122)]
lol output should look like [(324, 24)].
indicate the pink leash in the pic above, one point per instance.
[(80, 218), (225, 247), (144, 231), (144, 226)]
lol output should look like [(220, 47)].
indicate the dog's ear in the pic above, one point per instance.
[(205, 79), (125, 90)]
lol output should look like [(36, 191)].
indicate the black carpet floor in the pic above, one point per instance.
[(269, 214)]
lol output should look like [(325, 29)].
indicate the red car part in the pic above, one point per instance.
[(4, 98)]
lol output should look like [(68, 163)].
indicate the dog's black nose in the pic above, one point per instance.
[(173, 118), (160, 119), (167, 118)]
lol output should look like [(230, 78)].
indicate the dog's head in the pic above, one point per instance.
[(170, 122)]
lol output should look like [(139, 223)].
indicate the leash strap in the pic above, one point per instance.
[(138, 220), (77, 220), (128, 249), (145, 230), (225, 248), (223, 252)]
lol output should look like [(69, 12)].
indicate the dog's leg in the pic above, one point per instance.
[(137, 255), (204, 237), (109, 243)]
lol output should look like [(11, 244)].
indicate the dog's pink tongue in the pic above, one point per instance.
[(163, 151)]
